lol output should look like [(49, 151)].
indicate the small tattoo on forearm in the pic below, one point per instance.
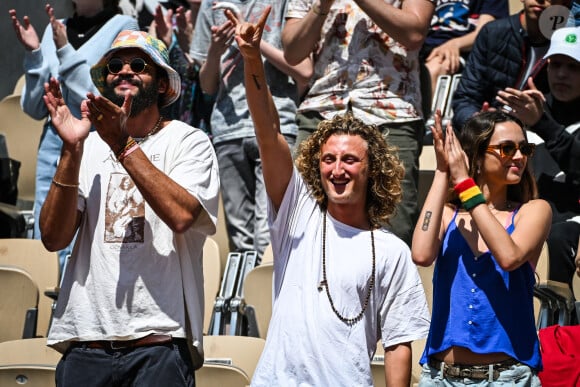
[(256, 81), (426, 221)]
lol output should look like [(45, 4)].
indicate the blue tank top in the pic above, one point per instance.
[(480, 306)]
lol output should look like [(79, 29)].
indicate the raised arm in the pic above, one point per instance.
[(209, 73), (301, 72), (59, 217), (300, 36), (274, 150), (407, 25), (532, 221), (430, 228)]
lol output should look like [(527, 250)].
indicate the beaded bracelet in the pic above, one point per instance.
[(469, 194), (127, 152)]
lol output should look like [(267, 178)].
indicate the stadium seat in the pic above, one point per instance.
[(27, 362), (220, 375), (258, 294), (18, 304), (211, 278), (41, 264), (240, 351)]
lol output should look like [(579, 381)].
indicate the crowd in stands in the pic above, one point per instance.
[(307, 118)]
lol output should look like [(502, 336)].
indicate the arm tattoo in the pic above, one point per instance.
[(256, 81), (426, 221)]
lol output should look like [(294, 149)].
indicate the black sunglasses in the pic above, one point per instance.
[(137, 65), (509, 148)]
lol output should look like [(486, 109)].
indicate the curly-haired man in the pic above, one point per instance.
[(342, 282)]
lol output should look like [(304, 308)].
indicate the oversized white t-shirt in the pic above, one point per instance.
[(129, 274), (307, 344)]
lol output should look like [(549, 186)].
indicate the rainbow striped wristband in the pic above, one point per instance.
[(469, 194)]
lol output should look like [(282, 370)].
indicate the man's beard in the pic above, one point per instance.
[(146, 97)]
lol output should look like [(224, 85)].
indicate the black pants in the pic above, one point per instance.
[(157, 365)]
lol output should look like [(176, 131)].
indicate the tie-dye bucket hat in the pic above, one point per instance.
[(154, 48)]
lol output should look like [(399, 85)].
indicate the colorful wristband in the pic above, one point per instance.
[(127, 152), (130, 143), (469, 194)]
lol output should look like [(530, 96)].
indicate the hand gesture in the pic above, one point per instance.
[(448, 54), (456, 157), (526, 105), (162, 27), (221, 38), (70, 129), (185, 26), (25, 32), (439, 143), (249, 35), (58, 28), (110, 120)]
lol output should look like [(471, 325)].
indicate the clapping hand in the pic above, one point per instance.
[(25, 32), (162, 26), (526, 105), (110, 120), (456, 157), (439, 144), (70, 129), (58, 28)]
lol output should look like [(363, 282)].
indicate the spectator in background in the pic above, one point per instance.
[(342, 282), (485, 241), (366, 60), (454, 26), (67, 50), (176, 31), (505, 54), (555, 117), (143, 194), (574, 20), (222, 76)]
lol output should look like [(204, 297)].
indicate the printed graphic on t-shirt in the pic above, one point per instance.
[(125, 211), (452, 16)]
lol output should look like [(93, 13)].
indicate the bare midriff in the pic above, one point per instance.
[(461, 355)]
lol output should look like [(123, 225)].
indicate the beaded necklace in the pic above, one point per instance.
[(324, 282)]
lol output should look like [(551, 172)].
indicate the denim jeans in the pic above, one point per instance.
[(158, 365), (518, 375), (46, 162), (244, 194)]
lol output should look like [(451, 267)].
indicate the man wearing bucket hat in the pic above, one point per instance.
[(555, 117), (130, 307)]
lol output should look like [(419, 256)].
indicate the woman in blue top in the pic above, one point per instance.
[(487, 236)]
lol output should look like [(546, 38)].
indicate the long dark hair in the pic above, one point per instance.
[(474, 138)]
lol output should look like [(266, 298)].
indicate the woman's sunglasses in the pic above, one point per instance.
[(509, 148), (137, 65)]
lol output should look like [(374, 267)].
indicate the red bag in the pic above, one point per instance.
[(560, 347)]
